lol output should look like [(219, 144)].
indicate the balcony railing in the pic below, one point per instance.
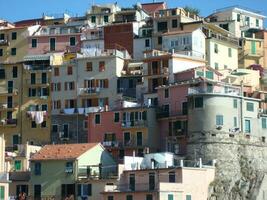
[(130, 124), (4, 42), (131, 187), (191, 54), (232, 40), (256, 53), (8, 91), (38, 81), (214, 90), (8, 122), (37, 67), (8, 106), (111, 144), (89, 91), (93, 172), (4, 177)]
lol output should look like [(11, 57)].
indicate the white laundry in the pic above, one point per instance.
[(39, 117), (81, 110), (69, 111)]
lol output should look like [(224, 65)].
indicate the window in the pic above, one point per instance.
[(129, 197), (52, 44), (188, 197), (250, 107), (69, 167), (34, 43), (69, 70), (65, 131), (198, 102), (85, 125), (126, 138), (34, 125), (229, 52), (235, 103), (105, 18), (2, 192), (216, 65), (102, 66), (116, 117), (89, 66), (209, 75), (37, 168), (13, 51), (151, 181), (219, 120), (238, 17), (225, 66), (247, 21), (216, 48), (166, 93), (170, 197), (257, 23), (264, 123), (84, 190), (14, 35), (147, 43), (144, 115), (162, 26), (97, 119), (139, 138), (149, 197), (43, 124), (93, 19), (235, 121), (174, 23), (55, 128), (247, 126), (17, 165), (1, 52), (171, 177), (15, 72), (110, 198), (159, 40), (121, 153), (72, 41), (56, 71), (2, 36)]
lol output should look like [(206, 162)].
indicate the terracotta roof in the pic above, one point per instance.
[(62, 151), (153, 7)]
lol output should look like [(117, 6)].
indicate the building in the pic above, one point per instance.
[(237, 19), (124, 131), (68, 164), (160, 176), (154, 7), (18, 166), (4, 180)]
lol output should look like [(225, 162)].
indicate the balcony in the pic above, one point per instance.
[(144, 187), (250, 53), (4, 42), (96, 36), (38, 82), (93, 172), (4, 177), (37, 67), (89, 91), (134, 124), (189, 54), (114, 144), (8, 122), (8, 106), (220, 90), (232, 40), (8, 92), (20, 176)]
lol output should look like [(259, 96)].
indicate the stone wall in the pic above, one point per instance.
[(241, 164)]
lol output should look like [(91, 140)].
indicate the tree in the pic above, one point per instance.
[(192, 10)]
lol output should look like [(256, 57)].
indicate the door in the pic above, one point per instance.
[(37, 192), (10, 86), (126, 138), (9, 101), (253, 47), (20, 189), (32, 78)]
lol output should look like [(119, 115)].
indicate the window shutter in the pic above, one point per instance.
[(93, 83), (97, 83), (106, 83), (66, 85)]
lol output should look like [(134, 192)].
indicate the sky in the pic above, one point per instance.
[(16, 10)]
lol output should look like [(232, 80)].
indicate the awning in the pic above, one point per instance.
[(37, 57)]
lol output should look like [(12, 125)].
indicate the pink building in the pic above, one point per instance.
[(54, 39), (172, 100), (125, 131)]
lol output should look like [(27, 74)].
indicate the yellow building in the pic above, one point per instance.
[(251, 51)]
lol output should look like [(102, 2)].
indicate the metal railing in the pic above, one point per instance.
[(6, 122), (144, 187), (88, 91), (4, 42), (5, 106), (38, 81), (4, 177), (137, 123), (214, 90), (37, 67)]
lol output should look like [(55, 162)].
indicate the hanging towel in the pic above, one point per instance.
[(81, 110), (69, 111), (39, 117)]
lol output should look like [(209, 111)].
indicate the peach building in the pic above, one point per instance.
[(161, 177)]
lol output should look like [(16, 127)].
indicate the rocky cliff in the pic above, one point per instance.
[(241, 164)]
